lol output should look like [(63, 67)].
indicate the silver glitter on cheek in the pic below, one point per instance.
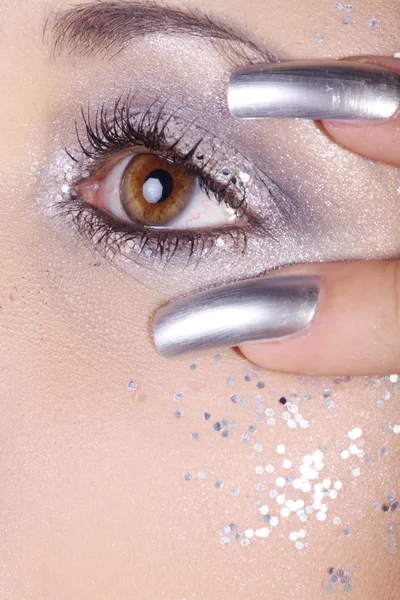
[(392, 531), (355, 433), (329, 586), (338, 578), (287, 495), (392, 528)]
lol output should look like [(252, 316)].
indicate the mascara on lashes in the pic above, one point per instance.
[(112, 131)]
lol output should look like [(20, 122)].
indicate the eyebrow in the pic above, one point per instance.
[(107, 28)]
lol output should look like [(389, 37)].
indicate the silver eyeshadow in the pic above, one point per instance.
[(329, 204), (340, 90)]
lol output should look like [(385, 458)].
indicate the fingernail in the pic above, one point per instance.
[(256, 309), (339, 90)]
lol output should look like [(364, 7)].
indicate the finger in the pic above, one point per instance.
[(379, 140), (331, 319), (356, 327), (356, 99)]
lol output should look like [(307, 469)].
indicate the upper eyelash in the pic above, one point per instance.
[(106, 135)]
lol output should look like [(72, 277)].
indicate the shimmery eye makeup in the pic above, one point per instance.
[(279, 178), (224, 176)]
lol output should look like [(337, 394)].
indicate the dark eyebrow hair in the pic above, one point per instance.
[(108, 27)]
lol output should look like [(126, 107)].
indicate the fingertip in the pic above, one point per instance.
[(355, 329), (378, 141)]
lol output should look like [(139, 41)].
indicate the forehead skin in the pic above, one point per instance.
[(94, 502)]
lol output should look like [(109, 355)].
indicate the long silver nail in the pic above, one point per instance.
[(340, 90), (255, 309)]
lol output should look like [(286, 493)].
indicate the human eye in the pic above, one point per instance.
[(147, 190), (148, 184)]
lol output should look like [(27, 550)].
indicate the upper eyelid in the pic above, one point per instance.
[(108, 27)]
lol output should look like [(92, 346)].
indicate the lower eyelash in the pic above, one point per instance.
[(112, 238)]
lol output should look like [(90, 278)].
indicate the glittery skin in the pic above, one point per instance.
[(295, 496), (338, 578)]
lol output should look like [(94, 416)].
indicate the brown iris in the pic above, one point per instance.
[(154, 191)]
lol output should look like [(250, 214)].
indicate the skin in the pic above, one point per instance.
[(94, 504)]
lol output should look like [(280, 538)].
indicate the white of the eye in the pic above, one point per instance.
[(198, 212), (152, 190)]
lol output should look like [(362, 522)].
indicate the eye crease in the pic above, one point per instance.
[(150, 191)]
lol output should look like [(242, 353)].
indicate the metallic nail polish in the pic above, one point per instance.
[(256, 309), (335, 90)]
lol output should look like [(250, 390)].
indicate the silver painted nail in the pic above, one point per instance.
[(255, 309), (339, 90)]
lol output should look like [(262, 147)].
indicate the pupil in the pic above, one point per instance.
[(157, 186)]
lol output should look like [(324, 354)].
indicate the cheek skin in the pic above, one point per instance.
[(131, 458)]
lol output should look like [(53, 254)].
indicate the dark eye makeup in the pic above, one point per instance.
[(226, 176)]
